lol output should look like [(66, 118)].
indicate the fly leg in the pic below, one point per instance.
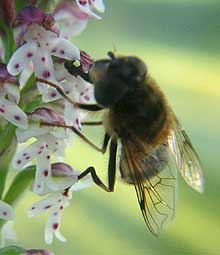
[(111, 170), (92, 123), (88, 107)]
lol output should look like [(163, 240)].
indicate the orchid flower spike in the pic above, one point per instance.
[(42, 42)]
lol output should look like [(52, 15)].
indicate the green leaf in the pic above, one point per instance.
[(12, 250), (20, 4), (18, 187), (47, 5), (34, 104), (31, 82), (21, 182), (10, 45), (5, 161), (7, 40), (6, 136)]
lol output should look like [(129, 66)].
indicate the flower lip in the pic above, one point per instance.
[(5, 76)]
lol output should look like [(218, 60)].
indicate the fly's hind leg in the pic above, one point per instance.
[(111, 170)]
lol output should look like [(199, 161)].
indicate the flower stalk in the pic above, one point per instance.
[(43, 82)]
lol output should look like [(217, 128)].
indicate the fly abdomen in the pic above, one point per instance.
[(155, 162), (148, 166)]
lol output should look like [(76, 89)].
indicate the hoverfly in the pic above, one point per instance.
[(140, 125)]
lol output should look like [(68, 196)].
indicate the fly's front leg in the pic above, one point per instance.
[(88, 107), (92, 123)]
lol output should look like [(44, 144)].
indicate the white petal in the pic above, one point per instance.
[(98, 5), (60, 183), (43, 68), (79, 26), (8, 234), (51, 95), (11, 112), (73, 27), (60, 236), (55, 145), (6, 211), (76, 28), (33, 131), (68, 113), (87, 9), (62, 74), (45, 204), (25, 74), (13, 92), (48, 235), (53, 225), (86, 182), (43, 171), (65, 49), (69, 23), (72, 116), (21, 57), (28, 154), (43, 65), (86, 91)]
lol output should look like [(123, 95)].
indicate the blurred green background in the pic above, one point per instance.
[(180, 42)]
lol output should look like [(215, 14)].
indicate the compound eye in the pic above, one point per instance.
[(98, 70), (114, 63)]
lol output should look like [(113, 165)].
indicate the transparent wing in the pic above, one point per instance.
[(187, 160), (156, 195)]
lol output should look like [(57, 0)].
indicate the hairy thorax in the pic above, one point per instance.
[(141, 114)]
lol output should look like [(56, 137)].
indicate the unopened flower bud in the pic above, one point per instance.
[(8, 11), (86, 61), (47, 115), (62, 170), (38, 252), (5, 76), (33, 15)]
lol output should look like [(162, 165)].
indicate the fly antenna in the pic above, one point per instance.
[(111, 55)]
